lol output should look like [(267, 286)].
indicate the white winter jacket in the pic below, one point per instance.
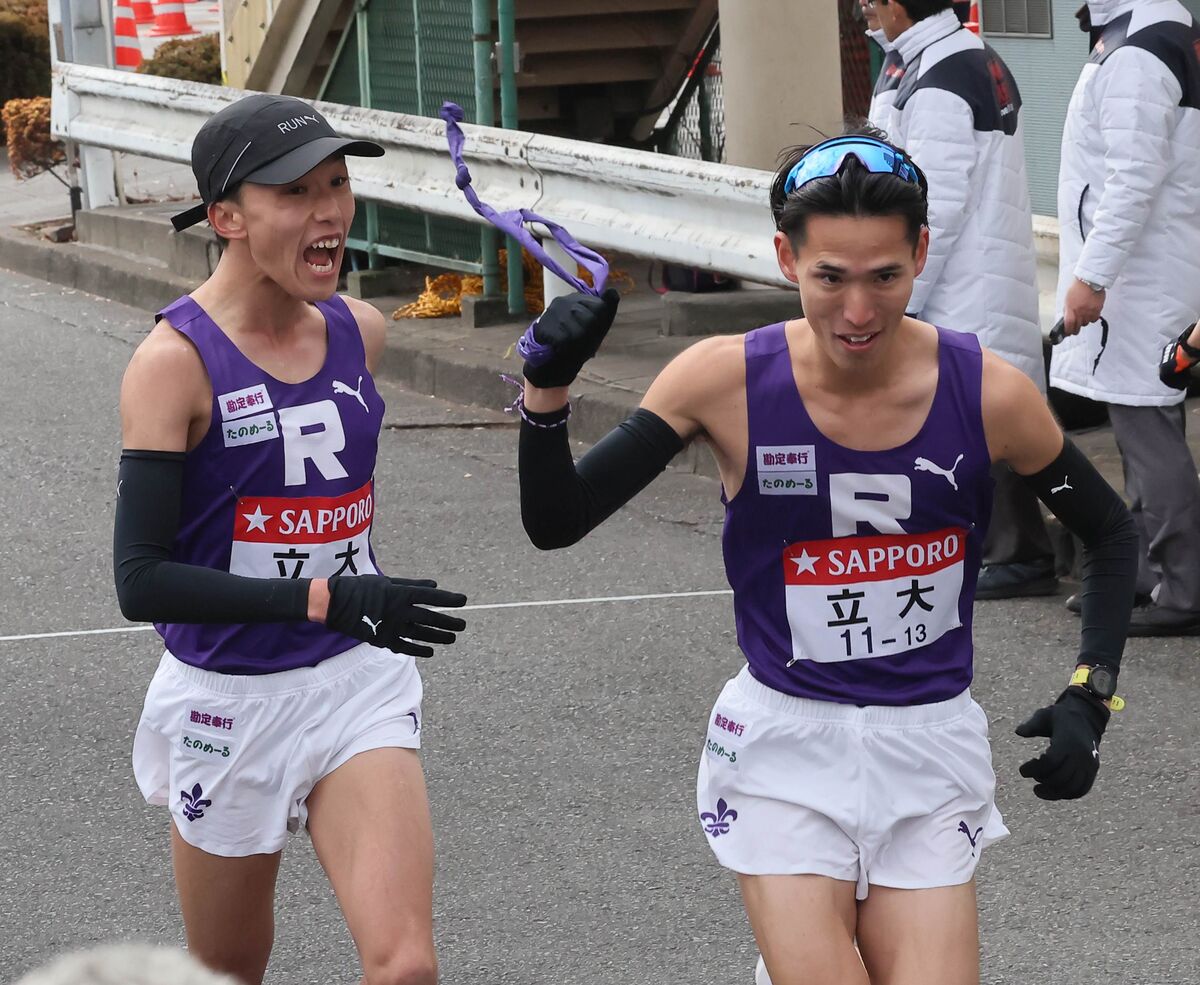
[(957, 113), (1129, 199)]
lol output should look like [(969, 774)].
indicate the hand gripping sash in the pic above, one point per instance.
[(512, 223)]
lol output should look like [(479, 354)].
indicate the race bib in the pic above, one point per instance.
[(854, 598), (303, 536)]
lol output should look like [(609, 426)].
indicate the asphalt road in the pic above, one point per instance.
[(560, 741)]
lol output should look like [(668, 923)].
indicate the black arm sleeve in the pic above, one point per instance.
[(1089, 507), (561, 501), (152, 588)]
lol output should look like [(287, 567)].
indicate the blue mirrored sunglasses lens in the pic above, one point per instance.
[(826, 161)]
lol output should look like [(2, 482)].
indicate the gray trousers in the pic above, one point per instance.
[(1017, 532), (1164, 494)]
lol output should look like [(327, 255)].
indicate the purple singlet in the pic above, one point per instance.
[(854, 572), (281, 486)]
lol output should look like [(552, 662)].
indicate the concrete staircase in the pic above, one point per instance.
[(285, 46), (589, 69)]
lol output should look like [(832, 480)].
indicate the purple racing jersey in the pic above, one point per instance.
[(854, 572), (281, 486)]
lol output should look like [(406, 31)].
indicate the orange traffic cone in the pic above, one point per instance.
[(143, 12), (169, 19), (127, 50), (972, 23)]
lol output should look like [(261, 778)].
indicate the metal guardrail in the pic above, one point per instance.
[(711, 216)]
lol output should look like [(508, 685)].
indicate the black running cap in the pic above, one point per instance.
[(266, 139)]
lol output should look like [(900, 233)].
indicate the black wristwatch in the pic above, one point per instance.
[(1098, 679)]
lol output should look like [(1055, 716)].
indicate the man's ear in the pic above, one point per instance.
[(227, 220), (786, 257), (921, 253)]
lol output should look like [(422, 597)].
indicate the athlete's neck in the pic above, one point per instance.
[(242, 299), (882, 403)]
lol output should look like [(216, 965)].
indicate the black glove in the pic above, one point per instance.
[(1178, 358), (573, 327), (1074, 725), (387, 612)]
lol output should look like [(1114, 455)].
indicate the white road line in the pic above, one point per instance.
[(601, 598), (465, 608), (76, 632)]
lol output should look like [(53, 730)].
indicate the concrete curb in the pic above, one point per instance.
[(135, 281), (426, 366), (465, 377)]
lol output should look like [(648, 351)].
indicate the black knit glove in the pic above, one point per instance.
[(1074, 725), (572, 327), (387, 612)]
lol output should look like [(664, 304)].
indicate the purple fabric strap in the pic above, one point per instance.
[(530, 349), (511, 223)]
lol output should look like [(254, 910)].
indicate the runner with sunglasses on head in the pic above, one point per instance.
[(288, 694), (846, 775)]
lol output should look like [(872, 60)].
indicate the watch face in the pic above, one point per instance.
[(1103, 682)]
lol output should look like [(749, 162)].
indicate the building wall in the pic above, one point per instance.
[(781, 69), (1046, 70)]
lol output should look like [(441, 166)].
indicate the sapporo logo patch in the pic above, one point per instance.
[(303, 536)]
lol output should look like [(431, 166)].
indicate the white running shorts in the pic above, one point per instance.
[(235, 757), (877, 796)]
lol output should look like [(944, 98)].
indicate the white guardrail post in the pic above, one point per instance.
[(81, 31), (712, 216)]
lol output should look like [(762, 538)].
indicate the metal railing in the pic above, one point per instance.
[(711, 216)]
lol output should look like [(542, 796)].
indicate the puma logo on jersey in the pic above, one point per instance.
[(1065, 485), (925, 465), (374, 625), (340, 387)]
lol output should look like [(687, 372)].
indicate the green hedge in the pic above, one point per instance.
[(32, 12), (191, 59)]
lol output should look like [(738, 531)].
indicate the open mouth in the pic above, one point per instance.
[(320, 256), (856, 342)]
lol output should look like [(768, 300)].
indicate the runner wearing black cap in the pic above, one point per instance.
[(288, 693)]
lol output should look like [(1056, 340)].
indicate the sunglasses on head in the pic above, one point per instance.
[(826, 159)]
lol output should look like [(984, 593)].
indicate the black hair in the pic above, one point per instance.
[(853, 191), (918, 10)]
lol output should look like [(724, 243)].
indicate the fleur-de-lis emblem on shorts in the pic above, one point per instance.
[(718, 824), (193, 803)]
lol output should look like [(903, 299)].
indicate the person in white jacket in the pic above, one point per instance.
[(883, 97), (956, 111), (1129, 275)]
